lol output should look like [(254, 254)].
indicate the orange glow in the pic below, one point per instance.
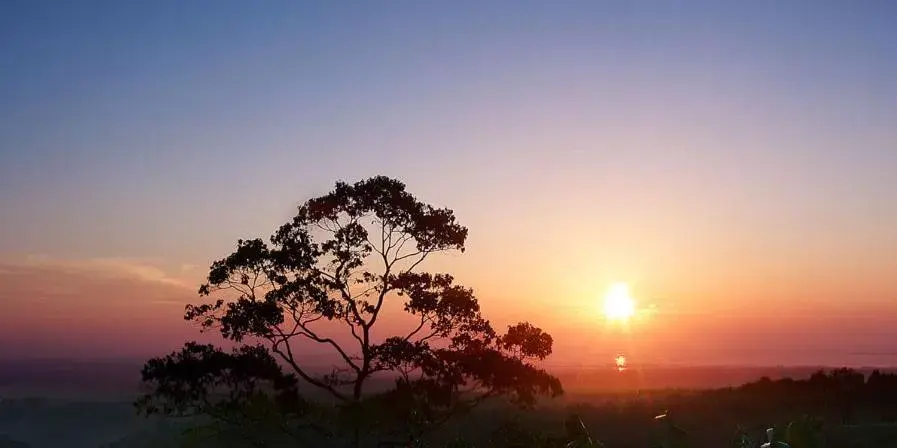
[(618, 304)]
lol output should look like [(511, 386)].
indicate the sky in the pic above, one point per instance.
[(734, 162)]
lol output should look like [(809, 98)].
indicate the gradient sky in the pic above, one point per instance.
[(735, 162)]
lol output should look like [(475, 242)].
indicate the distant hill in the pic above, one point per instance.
[(73, 379), (119, 380), (6, 442), (609, 380), (45, 423)]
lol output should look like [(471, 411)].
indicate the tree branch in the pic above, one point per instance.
[(352, 329), (288, 358), (314, 337), (423, 319), (432, 335), (408, 255), (419, 261), (310, 334)]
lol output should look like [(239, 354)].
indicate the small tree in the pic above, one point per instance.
[(340, 260)]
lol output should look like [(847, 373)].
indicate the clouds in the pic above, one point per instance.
[(52, 307), (123, 268)]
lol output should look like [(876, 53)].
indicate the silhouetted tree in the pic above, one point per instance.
[(881, 393), (336, 264), (846, 386)]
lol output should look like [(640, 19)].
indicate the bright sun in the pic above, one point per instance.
[(618, 304)]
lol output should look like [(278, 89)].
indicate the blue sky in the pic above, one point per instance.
[(636, 140), (176, 105)]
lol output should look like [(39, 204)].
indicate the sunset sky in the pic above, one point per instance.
[(734, 162)]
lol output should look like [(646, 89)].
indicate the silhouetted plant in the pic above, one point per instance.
[(667, 434), (805, 432), (338, 263), (774, 440), (742, 439), (578, 435), (513, 434)]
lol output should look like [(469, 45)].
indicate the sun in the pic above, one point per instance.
[(618, 304), (620, 360)]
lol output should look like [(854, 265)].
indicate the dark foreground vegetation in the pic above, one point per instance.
[(839, 408)]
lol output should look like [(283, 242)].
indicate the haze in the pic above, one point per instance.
[(735, 163)]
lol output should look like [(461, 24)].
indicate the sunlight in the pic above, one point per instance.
[(620, 360), (618, 304)]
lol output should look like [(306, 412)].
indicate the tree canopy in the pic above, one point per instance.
[(342, 257)]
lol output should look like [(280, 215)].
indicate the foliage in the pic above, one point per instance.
[(515, 435), (801, 433), (710, 416), (337, 263), (667, 434), (742, 438), (805, 432)]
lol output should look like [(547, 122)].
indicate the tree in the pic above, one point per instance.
[(331, 271), (846, 385)]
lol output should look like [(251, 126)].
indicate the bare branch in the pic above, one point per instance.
[(354, 333), (288, 358), (365, 292), (423, 319), (313, 336), (429, 336), (400, 242), (346, 295), (308, 333), (313, 319), (383, 240), (406, 256)]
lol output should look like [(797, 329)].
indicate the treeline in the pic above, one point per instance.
[(834, 400), (847, 393)]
